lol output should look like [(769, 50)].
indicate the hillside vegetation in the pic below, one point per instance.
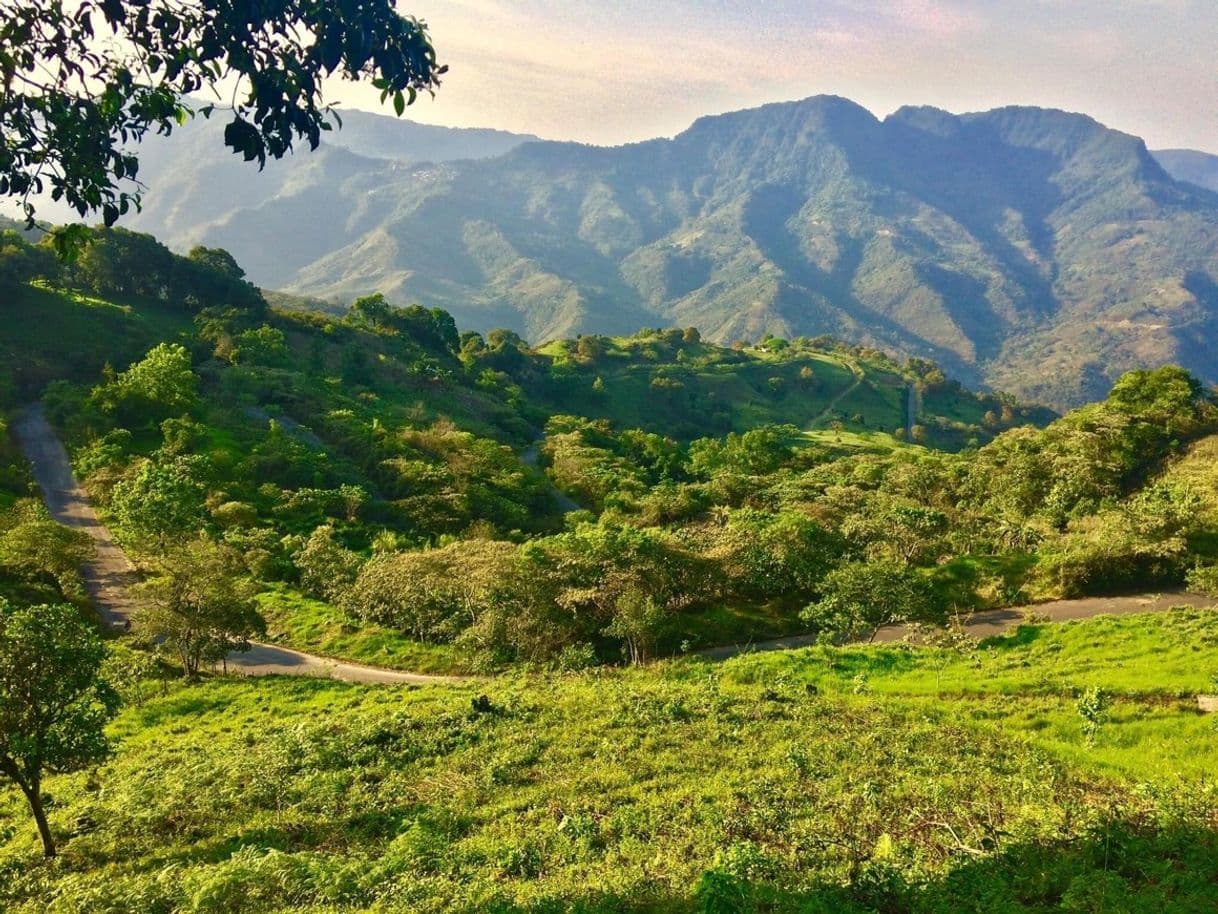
[(406, 494), (570, 523), (1030, 249)]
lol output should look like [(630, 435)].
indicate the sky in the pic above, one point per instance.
[(624, 70)]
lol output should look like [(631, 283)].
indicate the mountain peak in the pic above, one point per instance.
[(821, 109)]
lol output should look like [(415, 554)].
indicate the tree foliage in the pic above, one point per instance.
[(202, 605), (160, 385), (83, 82), (860, 598), (159, 501), (53, 703)]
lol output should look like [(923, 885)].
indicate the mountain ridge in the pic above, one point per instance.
[(1032, 249)]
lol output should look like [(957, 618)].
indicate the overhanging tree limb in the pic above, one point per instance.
[(82, 82)]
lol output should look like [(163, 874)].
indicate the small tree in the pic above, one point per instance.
[(37, 547), (590, 348), (53, 703), (202, 606), (862, 597), (638, 621), (159, 501), (326, 568), (372, 310), (160, 385)]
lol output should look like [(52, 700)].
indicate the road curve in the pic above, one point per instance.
[(991, 622), (110, 574)]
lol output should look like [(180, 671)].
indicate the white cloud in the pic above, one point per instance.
[(632, 69)]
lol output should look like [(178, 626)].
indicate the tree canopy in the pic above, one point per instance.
[(81, 83), (53, 703)]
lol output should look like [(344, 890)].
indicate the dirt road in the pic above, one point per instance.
[(993, 622), (110, 574), (827, 412)]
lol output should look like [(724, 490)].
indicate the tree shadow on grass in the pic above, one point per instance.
[(1022, 636), (1117, 869)]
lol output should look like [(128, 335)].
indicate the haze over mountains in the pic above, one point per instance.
[(1030, 249)]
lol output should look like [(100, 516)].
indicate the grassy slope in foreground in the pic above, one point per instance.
[(675, 788)]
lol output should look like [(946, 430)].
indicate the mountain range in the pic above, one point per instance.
[(1028, 249)]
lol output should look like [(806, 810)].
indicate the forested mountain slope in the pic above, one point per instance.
[(1200, 168), (297, 208), (1031, 249)]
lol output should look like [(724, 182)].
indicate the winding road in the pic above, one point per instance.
[(110, 574), (991, 622), (531, 457)]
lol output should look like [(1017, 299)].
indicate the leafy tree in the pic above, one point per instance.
[(202, 607), (211, 278), (756, 452), (84, 82), (21, 261), (862, 597), (159, 500), (159, 385), (784, 555), (372, 310), (119, 262), (638, 620), (1204, 579), (898, 528), (432, 328), (326, 568), (261, 346), (433, 594), (36, 547), (590, 348), (626, 582), (53, 703)]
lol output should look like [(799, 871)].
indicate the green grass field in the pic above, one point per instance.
[(910, 780), (52, 334)]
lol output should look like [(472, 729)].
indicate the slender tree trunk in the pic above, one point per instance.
[(33, 793)]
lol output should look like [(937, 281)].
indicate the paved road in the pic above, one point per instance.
[(993, 622), (110, 574)]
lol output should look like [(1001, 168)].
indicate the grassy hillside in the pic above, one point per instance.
[(58, 334), (673, 383), (415, 497), (411, 496), (861, 780)]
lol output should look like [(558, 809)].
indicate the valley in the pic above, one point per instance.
[(805, 508)]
